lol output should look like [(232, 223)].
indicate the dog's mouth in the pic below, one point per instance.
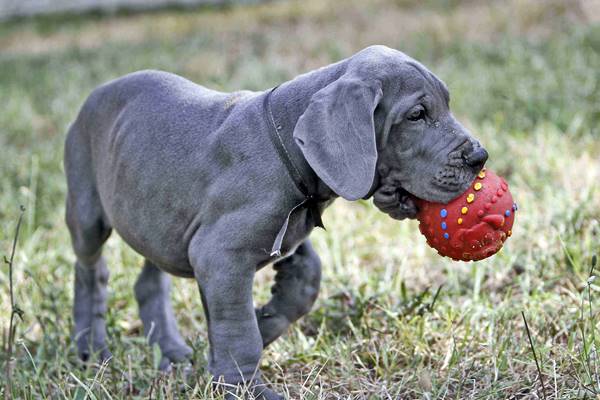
[(453, 178), (400, 200), (401, 203), (448, 183), (395, 201)]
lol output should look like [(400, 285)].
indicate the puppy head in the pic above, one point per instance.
[(384, 127)]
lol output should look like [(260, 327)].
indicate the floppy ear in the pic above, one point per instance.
[(336, 134)]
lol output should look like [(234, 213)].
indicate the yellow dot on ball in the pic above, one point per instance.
[(509, 233), (459, 221), (478, 186), (470, 198), (464, 210), (481, 174)]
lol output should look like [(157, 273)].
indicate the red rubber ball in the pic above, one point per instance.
[(474, 225)]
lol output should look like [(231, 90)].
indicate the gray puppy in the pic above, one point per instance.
[(190, 179)]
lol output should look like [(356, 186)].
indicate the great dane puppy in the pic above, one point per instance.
[(190, 179)]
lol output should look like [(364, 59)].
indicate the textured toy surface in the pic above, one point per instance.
[(473, 226)]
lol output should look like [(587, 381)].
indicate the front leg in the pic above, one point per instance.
[(225, 277), (295, 290)]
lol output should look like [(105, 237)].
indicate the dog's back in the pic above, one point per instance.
[(135, 141)]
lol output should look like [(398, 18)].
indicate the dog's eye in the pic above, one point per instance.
[(416, 114)]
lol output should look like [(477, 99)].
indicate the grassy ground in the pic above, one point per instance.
[(524, 77)]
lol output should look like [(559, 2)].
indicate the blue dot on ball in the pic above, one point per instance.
[(446, 235), (507, 213), (444, 226), (444, 213)]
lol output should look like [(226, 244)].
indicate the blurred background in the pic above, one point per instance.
[(394, 320)]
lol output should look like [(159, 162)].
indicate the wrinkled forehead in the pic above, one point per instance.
[(416, 78), (401, 75)]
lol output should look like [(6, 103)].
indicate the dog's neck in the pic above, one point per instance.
[(288, 103)]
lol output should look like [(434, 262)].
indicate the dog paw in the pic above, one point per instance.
[(271, 324), (266, 394), (254, 390), (180, 356), (92, 352)]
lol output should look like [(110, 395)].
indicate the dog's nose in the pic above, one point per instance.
[(476, 158)]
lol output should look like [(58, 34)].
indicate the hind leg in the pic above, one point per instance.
[(88, 233), (89, 309), (152, 291), (296, 288), (89, 230)]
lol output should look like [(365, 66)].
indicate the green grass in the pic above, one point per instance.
[(393, 319)]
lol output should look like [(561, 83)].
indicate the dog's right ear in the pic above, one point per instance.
[(336, 134)]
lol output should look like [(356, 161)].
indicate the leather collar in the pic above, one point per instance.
[(311, 200)]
